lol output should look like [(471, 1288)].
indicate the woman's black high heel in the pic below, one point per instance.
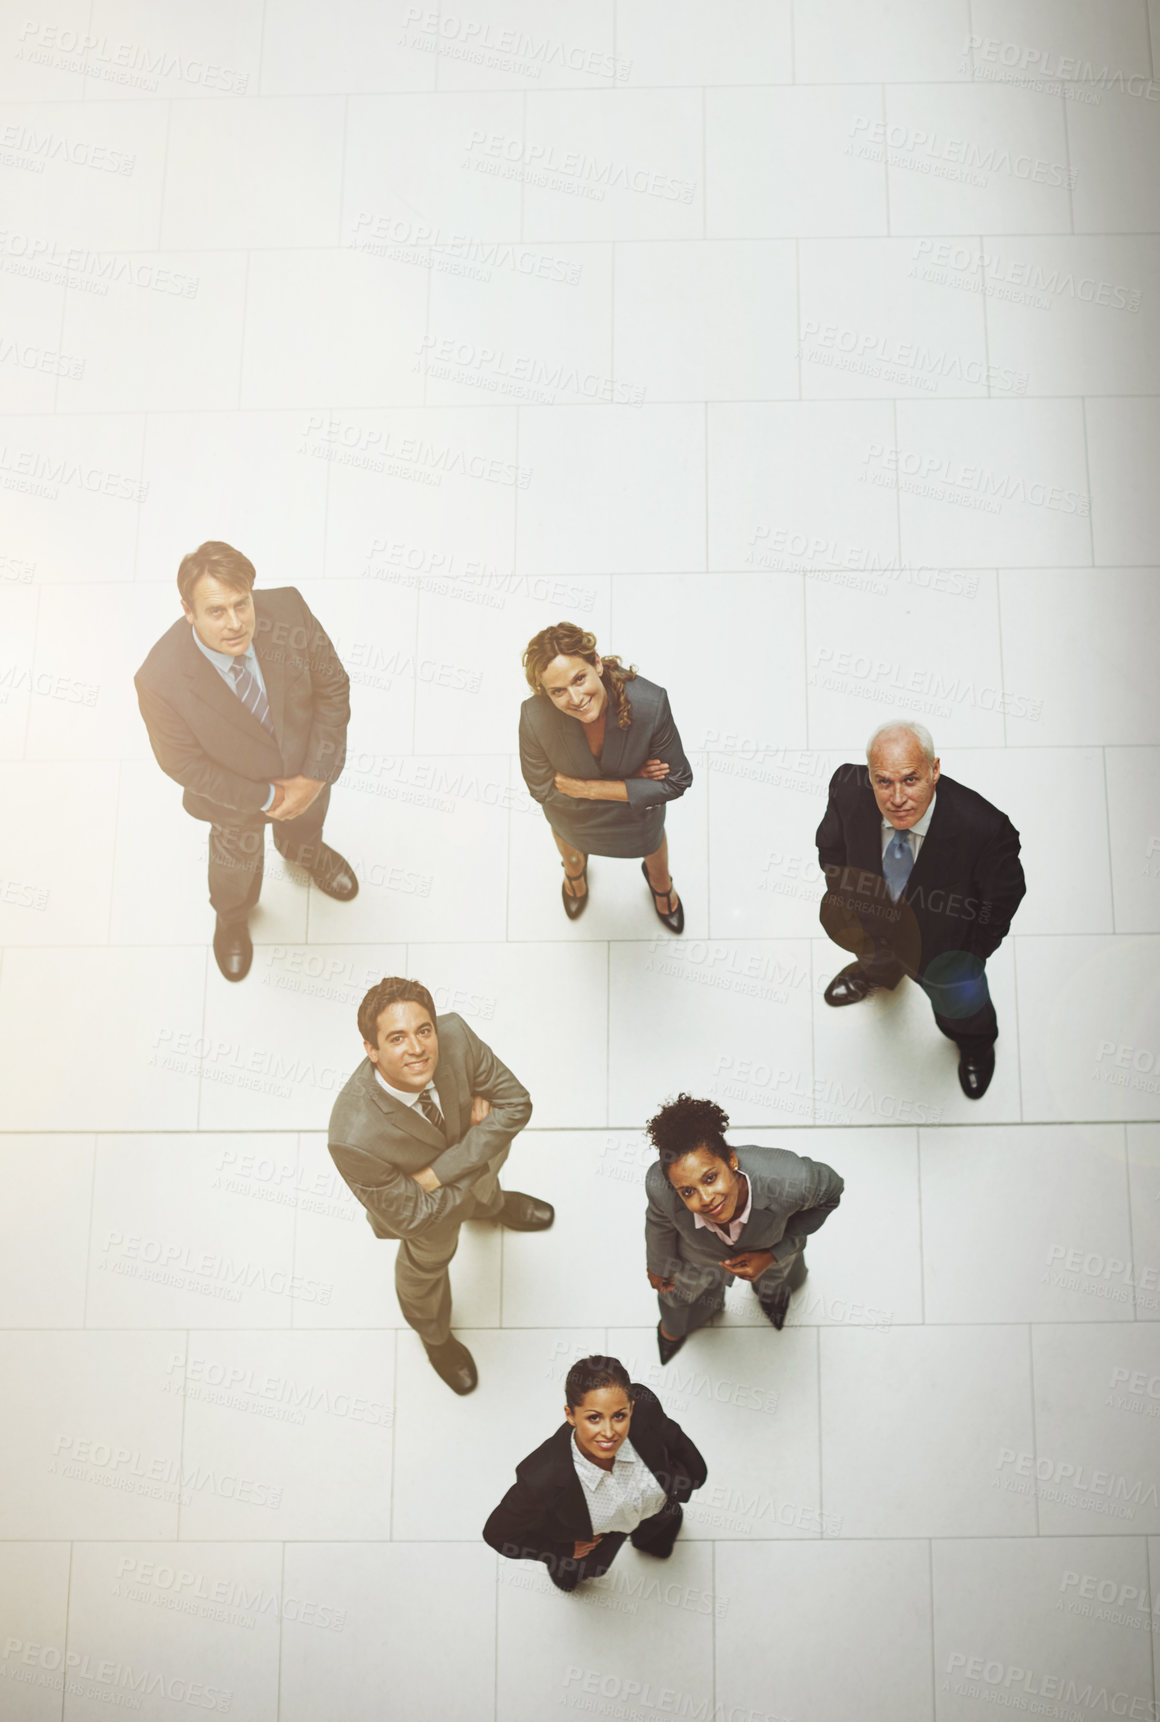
[(574, 907), (674, 919)]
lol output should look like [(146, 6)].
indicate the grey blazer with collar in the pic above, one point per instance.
[(377, 1142), (551, 741), (792, 1197)]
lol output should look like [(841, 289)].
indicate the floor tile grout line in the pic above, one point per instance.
[(921, 1251), (1129, 1206), (89, 1238), (1111, 850), (67, 1625), (1031, 1326)]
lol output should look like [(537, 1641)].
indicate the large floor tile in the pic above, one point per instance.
[(201, 1619), (558, 1053), (256, 173), (293, 1431), (519, 1401), (44, 898), (752, 139), (1122, 437), (765, 804), (411, 175), (869, 1603), (266, 1061), (342, 1649), (725, 1017), (613, 491), (93, 1435), (34, 1598), (795, 487), (1079, 630), (1112, 142), (214, 52), (1011, 1616), (1095, 1464), (915, 1426), (1001, 481), (707, 320), (1133, 779), (748, 1399), (1143, 1183), (971, 157), (134, 1066), (688, 42), (1039, 1195), (1089, 1028), (190, 1231), (73, 487), (363, 50), (97, 194), (885, 1060), (85, 705), (609, 164), (44, 1229)]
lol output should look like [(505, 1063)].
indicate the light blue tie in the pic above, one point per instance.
[(896, 864), (249, 691)]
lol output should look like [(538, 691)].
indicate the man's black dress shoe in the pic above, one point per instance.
[(454, 1364), (674, 919), (233, 949), (334, 876), (669, 1348), (975, 1072), (522, 1213), (849, 986)]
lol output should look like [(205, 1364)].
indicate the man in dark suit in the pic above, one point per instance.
[(589, 1486), (419, 1133), (247, 705), (923, 878)]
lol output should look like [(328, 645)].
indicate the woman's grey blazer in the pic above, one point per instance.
[(550, 741)]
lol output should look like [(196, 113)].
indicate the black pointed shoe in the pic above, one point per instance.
[(668, 1348), (522, 1213), (454, 1364), (849, 986), (233, 949), (334, 876), (775, 1305), (574, 906), (674, 919), (975, 1072)]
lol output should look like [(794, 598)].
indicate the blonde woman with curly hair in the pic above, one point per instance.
[(602, 761)]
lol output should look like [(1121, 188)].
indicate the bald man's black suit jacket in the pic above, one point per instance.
[(204, 737), (962, 892)]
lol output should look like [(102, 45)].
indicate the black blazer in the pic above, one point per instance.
[(545, 1512), (551, 741), (203, 736), (965, 885)]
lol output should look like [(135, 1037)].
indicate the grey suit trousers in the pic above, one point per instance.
[(700, 1282), (421, 1277)]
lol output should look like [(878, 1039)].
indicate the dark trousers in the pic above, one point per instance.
[(957, 990), (237, 853), (955, 982), (654, 1536)]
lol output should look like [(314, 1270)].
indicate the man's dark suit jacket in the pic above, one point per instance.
[(377, 1142), (551, 742), (963, 890), (545, 1512), (204, 737)]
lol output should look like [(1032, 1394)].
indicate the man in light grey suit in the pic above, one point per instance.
[(716, 1212), (419, 1133)]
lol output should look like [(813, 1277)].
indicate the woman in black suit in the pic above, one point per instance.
[(601, 764), (589, 1486)]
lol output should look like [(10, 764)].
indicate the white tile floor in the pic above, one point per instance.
[(805, 350)]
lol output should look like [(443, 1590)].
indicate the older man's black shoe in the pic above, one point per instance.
[(454, 1364), (233, 949), (334, 876), (522, 1213), (975, 1072), (849, 986)]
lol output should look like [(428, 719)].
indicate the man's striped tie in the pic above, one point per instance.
[(249, 691), (429, 1107)]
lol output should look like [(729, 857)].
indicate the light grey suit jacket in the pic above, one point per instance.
[(376, 1142), (551, 741), (792, 1196)]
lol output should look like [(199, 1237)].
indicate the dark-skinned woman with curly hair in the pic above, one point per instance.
[(602, 762), (716, 1213)]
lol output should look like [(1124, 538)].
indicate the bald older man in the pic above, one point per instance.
[(923, 878)]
